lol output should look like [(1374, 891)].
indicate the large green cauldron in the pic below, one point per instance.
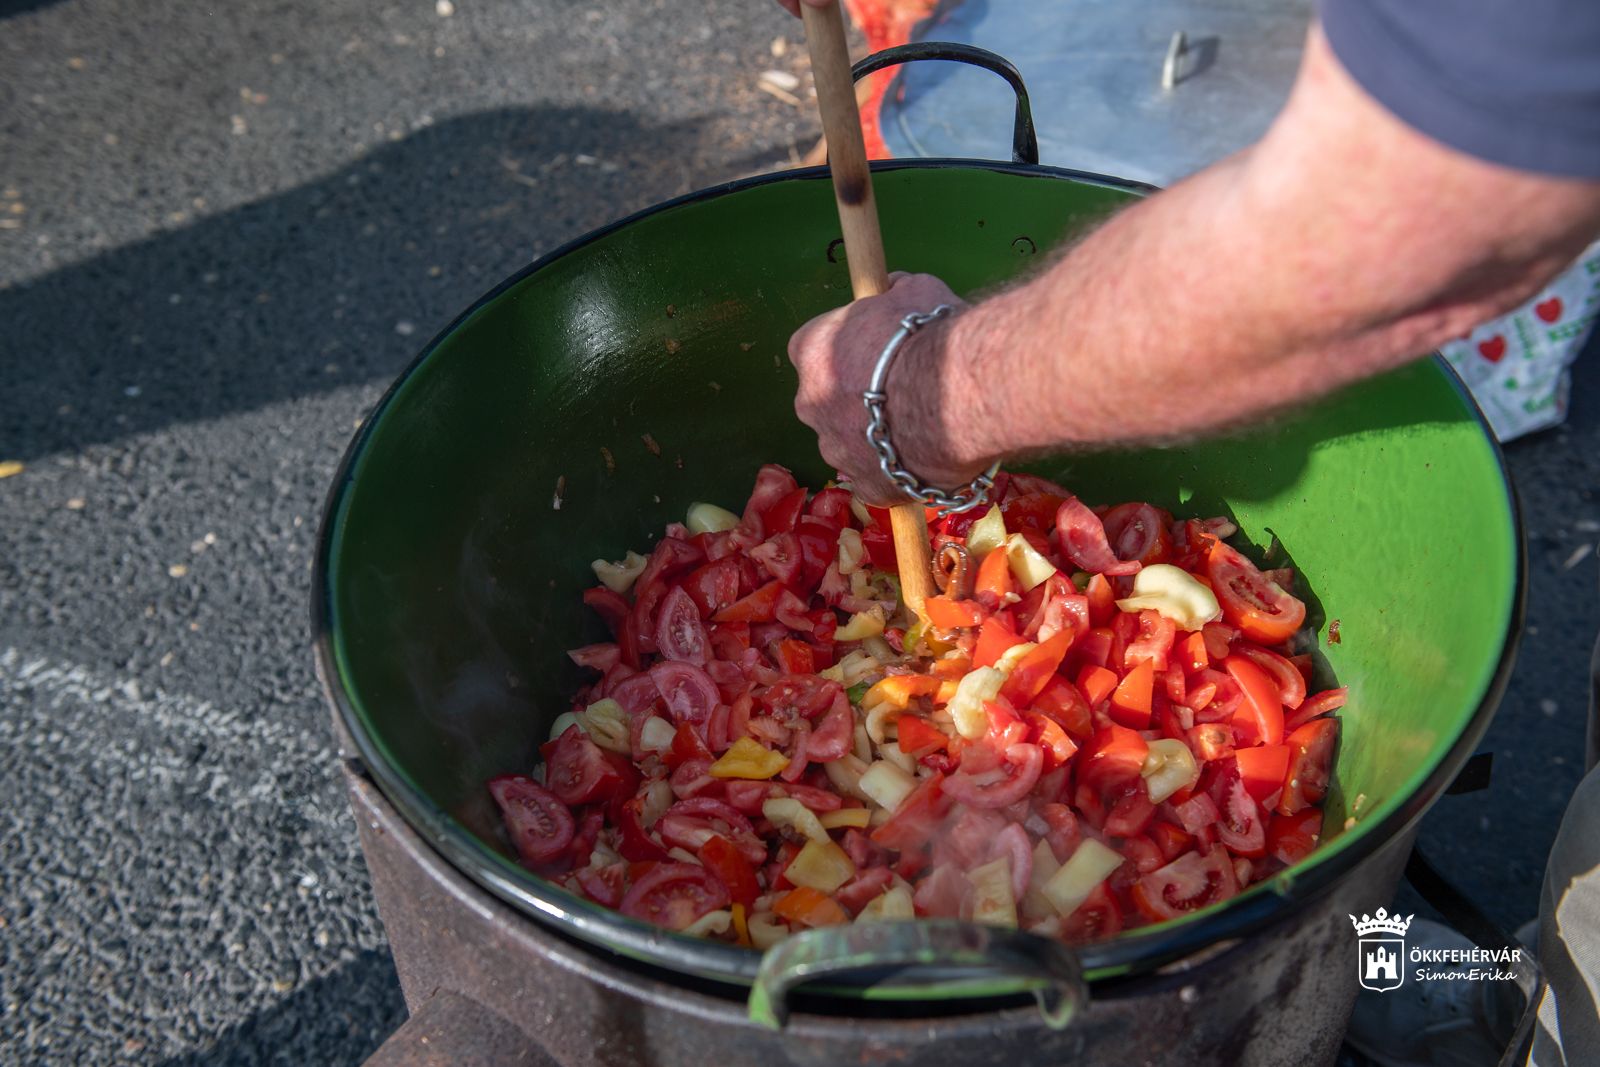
[(583, 404)]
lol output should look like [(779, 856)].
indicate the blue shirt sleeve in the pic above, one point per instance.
[(1514, 82)]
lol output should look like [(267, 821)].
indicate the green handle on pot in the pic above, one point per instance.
[(987, 960)]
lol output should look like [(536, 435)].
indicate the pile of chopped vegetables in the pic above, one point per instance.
[(1102, 723)]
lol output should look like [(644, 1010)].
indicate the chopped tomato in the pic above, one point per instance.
[(540, 825), (731, 869), (1262, 769), (607, 604), (784, 512), (1062, 701), (1029, 676), (809, 907), (1113, 760), (1023, 764), (1211, 741), (1031, 511), (879, 543), (1097, 683), (1130, 814), (1291, 838), (1242, 827), (993, 639), (1139, 532), (1192, 654), (914, 821), (1097, 918), (1130, 702), (759, 606), (1189, 882), (1290, 682), (689, 692), (918, 736), (578, 771), (714, 586), (1154, 641), (831, 506), (1170, 839), (673, 895), (636, 844), (1102, 600), (1052, 738), (1316, 706), (1083, 541), (1006, 727), (793, 657), (1310, 765), (994, 577), (1259, 718), (1259, 607)]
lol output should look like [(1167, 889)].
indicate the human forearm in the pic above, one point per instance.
[(1341, 245)]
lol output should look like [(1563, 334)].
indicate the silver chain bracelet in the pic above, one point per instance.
[(876, 400)]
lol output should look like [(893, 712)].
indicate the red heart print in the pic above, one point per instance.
[(1492, 349), (1550, 310)]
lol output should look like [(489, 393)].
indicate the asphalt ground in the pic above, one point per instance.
[(222, 233)]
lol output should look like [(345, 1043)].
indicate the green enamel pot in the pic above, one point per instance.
[(582, 405)]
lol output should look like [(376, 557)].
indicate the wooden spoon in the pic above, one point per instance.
[(863, 245)]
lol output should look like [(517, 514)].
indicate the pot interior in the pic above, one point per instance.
[(584, 404)]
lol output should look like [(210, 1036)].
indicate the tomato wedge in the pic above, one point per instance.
[(1131, 700), (1310, 748), (759, 606), (540, 825), (1259, 718), (1190, 882), (1258, 606), (1031, 673), (1139, 532), (725, 861), (673, 895), (1291, 838)]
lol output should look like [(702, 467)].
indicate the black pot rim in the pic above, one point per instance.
[(1129, 954)]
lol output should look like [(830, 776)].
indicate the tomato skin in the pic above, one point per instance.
[(1096, 683), (1191, 881), (1031, 511), (1260, 715), (994, 582), (759, 606), (673, 895), (1285, 675), (1261, 610), (773, 484), (1026, 762), (1171, 840), (782, 515), (1034, 670), (1310, 748), (1242, 827), (918, 736), (713, 587), (1112, 761), (539, 824), (1154, 641), (1097, 918), (689, 692), (1051, 738), (636, 844), (602, 885), (1062, 701), (1102, 600), (725, 861), (608, 604), (1130, 815), (686, 745), (993, 639), (831, 506), (879, 543), (793, 657), (1131, 700), (1291, 838), (1139, 532), (1262, 769), (578, 771), (1316, 706), (915, 820), (819, 546)]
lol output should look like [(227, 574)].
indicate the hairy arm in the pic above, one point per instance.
[(1342, 244)]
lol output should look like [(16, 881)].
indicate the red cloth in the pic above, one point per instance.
[(885, 23)]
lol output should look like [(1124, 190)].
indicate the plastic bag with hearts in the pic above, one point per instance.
[(1516, 365)]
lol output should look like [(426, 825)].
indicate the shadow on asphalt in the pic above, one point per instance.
[(354, 1008), (340, 281), (22, 7)]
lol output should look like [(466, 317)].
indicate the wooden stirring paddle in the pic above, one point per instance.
[(863, 245)]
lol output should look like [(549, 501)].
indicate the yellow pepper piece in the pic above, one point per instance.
[(897, 690), (740, 927), (845, 817), (749, 758)]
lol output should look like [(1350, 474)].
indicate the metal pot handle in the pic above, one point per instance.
[(984, 952), (1024, 141)]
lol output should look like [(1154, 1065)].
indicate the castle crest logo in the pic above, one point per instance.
[(1381, 954)]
